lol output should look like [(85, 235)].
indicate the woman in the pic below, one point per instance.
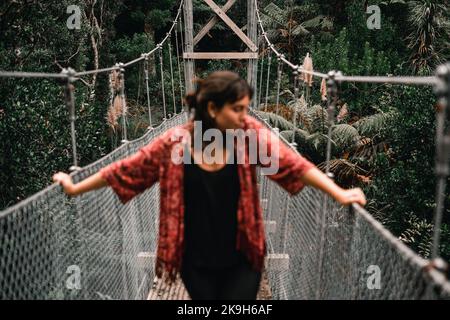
[(211, 225)]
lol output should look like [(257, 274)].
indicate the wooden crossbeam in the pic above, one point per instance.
[(212, 22), (222, 15), (220, 55)]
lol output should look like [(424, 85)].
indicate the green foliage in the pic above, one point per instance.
[(35, 137)]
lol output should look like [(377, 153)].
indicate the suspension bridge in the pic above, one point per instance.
[(93, 247)]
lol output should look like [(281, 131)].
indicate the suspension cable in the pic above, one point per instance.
[(296, 94), (179, 68), (148, 92), (268, 79), (171, 75), (279, 74), (162, 82), (261, 76)]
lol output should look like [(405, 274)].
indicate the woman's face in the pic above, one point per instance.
[(232, 115)]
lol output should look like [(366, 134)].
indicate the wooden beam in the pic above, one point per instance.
[(222, 15), (212, 22), (189, 66), (220, 55)]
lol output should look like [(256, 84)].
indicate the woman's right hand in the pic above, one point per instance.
[(66, 181), (349, 196)]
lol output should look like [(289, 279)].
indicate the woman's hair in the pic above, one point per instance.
[(219, 87)]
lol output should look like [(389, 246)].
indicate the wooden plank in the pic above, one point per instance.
[(220, 55), (222, 15), (212, 22), (165, 291)]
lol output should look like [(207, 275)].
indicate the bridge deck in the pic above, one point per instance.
[(177, 291)]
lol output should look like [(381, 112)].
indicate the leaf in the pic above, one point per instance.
[(299, 30), (320, 21)]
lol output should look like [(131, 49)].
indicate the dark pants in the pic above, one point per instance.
[(239, 282)]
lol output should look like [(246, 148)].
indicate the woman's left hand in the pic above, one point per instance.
[(346, 197)]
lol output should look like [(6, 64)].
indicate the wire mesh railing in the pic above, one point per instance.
[(93, 247), (88, 247), (345, 254)]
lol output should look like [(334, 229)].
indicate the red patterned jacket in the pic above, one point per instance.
[(153, 162)]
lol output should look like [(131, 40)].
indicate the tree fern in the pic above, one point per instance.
[(345, 136), (373, 125), (318, 119)]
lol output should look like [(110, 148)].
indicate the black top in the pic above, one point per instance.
[(211, 201)]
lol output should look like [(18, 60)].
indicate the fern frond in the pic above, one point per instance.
[(276, 121), (345, 136), (373, 125)]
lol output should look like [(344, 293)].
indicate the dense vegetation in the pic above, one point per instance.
[(383, 140)]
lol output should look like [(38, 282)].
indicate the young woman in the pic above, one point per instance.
[(211, 225)]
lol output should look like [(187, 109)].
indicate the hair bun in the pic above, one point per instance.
[(199, 83)]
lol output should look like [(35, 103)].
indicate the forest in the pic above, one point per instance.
[(383, 139)]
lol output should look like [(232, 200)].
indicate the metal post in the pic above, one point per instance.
[(332, 89), (296, 94), (122, 98), (70, 103), (442, 90), (252, 67), (332, 92)]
